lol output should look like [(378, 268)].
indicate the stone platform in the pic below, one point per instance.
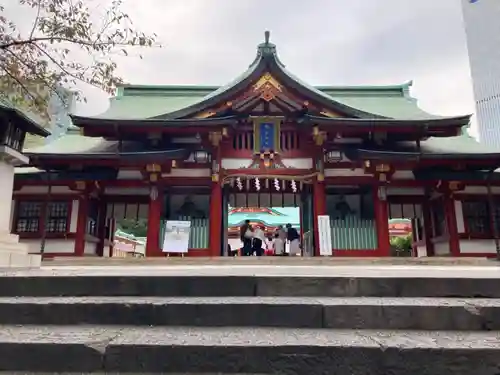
[(251, 319)]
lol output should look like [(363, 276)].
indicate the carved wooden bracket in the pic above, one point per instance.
[(216, 137), (319, 136)]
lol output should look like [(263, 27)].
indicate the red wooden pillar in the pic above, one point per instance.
[(426, 213), (382, 221), (81, 223), (101, 226), (215, 239), (319, 208), (451, 224), (154, 222)]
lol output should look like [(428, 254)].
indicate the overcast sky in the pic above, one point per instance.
[(324, 42)]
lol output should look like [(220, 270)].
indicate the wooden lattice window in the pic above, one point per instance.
[(28, 217), (57, 218)]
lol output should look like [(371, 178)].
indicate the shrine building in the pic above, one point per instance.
[(360, 155)]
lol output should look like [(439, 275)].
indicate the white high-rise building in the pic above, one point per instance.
[(482, 28)]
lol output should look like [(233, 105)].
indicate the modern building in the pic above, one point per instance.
[(351, 158), (483, 42)]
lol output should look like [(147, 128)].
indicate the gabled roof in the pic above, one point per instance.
[(174, 102), (74, 145)]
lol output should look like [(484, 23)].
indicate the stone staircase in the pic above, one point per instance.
[(190, 324)]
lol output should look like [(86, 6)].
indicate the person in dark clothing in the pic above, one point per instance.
[(246, 235), (258, 240), (293, 238)]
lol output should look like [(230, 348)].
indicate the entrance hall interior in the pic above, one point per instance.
[(268, 210)]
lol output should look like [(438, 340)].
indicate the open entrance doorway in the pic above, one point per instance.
[(273, 205), (406, 229)]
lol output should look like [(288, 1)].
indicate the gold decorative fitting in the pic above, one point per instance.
[(153, 177), (215, 178), (229, 104), (206, 114), (315, 131), (321, 177), (383, 168), (320, 138), (367, 164), (215, 138), (80, 185), (153, 168), (267, 86), (174, 164), (454, 185)]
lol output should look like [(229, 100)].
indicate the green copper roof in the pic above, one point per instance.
[(140, 102), (72, 143), (461, 144)]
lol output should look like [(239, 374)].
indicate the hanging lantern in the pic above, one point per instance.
[(277, 184), (294, 186)]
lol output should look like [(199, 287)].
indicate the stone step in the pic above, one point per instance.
[(289, 261), (81, 349), (338, 313), (193, 284)]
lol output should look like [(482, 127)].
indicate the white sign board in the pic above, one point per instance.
[(176, 236), (325, 236)]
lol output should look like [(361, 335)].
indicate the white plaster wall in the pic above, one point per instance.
[(403, 175), (478, 190), (6, 187), (299, 163), (442, 248), (58, 246), (74, 216), (421, 251), (184, 172), (477, 246), (90, 248), (459, 216), (235, 163)]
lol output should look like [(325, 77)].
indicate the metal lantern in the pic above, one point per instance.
[(201, 156)]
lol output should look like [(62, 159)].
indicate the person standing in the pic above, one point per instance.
[(246, 235), (279, 241), (294, 239), (259, 239)]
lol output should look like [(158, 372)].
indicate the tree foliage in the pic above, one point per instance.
[(34, 63), (138, 228)]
